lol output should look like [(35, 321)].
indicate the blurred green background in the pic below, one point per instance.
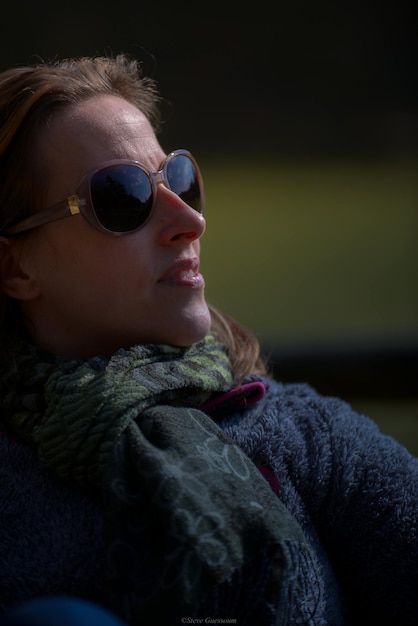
[(305, 122), (317, 255), (315, 251)]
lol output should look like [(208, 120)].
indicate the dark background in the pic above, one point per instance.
[(288, 79)]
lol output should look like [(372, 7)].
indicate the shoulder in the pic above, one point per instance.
[(320, 441), (291, 408)]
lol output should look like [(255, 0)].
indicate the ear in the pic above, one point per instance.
[(15, 282)]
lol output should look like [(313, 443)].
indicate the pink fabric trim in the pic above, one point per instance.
[(245, 395), (270, 477)]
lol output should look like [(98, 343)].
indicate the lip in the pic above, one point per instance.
[(184, 272)]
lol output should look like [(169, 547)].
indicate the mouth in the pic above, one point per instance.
[(184, 272)]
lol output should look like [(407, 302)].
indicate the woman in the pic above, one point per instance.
[(148, 463)]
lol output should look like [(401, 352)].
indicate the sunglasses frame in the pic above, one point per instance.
[(81, 201)]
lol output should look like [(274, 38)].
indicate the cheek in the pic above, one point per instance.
[(107, 280), (80, 266), (68, 248), (58, 264)]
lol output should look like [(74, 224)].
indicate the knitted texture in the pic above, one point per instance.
[(187, 512), (75, 410)]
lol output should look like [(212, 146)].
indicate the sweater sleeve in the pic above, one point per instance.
[(360, 489)]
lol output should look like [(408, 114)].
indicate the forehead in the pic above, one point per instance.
[(81, 137), (104, 124)]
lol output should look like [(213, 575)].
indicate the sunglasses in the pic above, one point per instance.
[(119, 196)]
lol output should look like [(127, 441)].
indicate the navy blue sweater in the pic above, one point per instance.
[(353, 490)]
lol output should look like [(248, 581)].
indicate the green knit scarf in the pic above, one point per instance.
[(186, 510)]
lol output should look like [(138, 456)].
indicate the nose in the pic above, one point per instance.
[(177, 221)]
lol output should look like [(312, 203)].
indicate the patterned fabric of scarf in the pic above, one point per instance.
[(193, 527)]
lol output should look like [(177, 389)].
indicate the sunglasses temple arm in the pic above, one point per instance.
[(70, 206)]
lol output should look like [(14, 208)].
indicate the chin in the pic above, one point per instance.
[(191, 330)]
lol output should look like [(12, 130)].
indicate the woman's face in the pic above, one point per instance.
[(93, 293)]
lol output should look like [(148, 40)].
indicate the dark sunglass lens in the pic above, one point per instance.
[(122, 197), (184, 181)]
